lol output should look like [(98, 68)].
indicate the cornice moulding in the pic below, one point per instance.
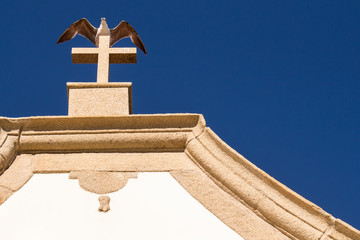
[(289, 213)]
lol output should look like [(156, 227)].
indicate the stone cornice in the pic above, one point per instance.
[(192, 122), (288, 213), (168, 132)]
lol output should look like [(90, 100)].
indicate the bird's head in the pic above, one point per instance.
[(103, 19)]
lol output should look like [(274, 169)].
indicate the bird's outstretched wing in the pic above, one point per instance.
[(124, 30), (82, 27)]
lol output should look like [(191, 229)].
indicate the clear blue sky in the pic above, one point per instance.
[(277, 80)]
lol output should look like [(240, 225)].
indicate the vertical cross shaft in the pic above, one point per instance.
[(103, 59)]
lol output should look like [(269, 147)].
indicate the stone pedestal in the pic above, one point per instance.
[(99, 99)]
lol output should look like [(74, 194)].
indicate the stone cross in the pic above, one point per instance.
[(103, 56)]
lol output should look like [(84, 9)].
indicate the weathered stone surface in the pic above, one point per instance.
[(5, 194), (75, 124), (8, 150), (98, 99), (342, 230), (240, 194), (17, 174), (120, 162), (232, 212), (102, 182), (104, 203), (87, 142)]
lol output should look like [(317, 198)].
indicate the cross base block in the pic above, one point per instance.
[(99, 99)]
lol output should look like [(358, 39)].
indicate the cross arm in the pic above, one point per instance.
[(90, 55), (103, 56)]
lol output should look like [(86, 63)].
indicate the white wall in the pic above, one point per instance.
[(153, 206)]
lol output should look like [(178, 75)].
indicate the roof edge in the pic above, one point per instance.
[(272, 201)]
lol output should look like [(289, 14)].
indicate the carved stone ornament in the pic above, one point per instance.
[(102, 182), (104, 203)]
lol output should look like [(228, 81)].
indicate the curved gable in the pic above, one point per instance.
[(241, 195)]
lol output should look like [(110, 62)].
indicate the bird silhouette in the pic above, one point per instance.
[(84, 28)]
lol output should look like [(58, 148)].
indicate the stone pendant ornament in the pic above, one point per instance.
[(104, 203), (100, 182)]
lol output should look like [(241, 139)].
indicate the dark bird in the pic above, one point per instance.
[(85, 29)]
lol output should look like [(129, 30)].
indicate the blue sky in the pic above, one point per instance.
[(277, 80)]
